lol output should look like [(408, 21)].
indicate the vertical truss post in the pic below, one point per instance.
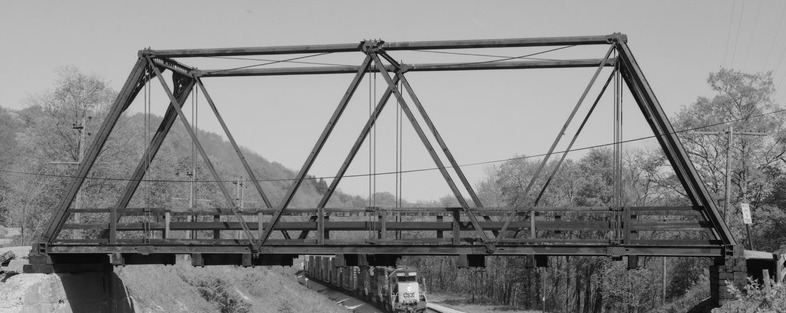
[(317, 148), (202, 152), (352, 153), (622, 215), (556, 141), (430, 148), (669, 142), (130, 89), (441, 142)]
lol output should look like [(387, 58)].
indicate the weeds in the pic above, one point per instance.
[(756, 298), (217, 291)]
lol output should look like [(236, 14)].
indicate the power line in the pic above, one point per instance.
[(737, 37), (728, 33), (774, 38), (753, 33), (780, 83), (778, 66), (420, 169)]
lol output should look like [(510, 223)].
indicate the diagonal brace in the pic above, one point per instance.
[(440, 141), (232, 141), (430, 148), (669, 142), (572, 141), (201, 149), (554, 144), (181, 93), (353, 152), (136, 79), (317, 148)]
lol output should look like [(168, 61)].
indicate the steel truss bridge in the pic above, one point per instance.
[(276, 233)]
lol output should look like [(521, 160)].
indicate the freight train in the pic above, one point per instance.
[(392, 289)]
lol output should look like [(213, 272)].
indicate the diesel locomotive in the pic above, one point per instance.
[(392, 289)]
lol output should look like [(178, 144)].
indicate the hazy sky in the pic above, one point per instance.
[(482, 116)]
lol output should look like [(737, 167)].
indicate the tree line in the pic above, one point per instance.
[(742, 103)]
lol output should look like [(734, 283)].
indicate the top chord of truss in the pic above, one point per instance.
[(391, 46)]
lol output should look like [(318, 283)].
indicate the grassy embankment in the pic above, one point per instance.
[(183, 288)]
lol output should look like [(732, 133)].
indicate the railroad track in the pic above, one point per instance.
[(436, 308)]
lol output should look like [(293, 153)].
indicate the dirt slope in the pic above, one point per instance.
[(156, 288)]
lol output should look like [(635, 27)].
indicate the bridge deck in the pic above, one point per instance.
[(580, 231)]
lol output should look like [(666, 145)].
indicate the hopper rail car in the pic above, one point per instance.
[(393, 289)]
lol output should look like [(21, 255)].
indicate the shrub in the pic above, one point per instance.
[(216, 290), (756, 298)]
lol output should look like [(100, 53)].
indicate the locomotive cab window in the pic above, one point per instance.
[(407, 278)]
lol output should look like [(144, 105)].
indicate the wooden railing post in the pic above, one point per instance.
[(439, 232), (167, 220)]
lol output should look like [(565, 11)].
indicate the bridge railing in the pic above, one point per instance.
[(413, 225)]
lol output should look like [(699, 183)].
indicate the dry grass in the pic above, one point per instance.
[(226, 289), (156, 288)]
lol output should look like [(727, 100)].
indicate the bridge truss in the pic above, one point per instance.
[(276, 232)]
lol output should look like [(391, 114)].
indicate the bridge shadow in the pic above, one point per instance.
[(96, 292)]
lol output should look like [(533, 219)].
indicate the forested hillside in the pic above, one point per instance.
[(41, 146)]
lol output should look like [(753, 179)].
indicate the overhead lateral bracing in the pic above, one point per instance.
[(469, 228), (407, 68)]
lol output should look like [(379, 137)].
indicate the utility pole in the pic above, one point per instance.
[(730, 137), (81, 144), (82, 140), (730, 132)]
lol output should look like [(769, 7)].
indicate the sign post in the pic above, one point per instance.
[(746, 213), (748, 220)]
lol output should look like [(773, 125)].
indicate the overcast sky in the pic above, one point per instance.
[(483, 116)]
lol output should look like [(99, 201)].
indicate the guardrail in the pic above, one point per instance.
[(766, 267)]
